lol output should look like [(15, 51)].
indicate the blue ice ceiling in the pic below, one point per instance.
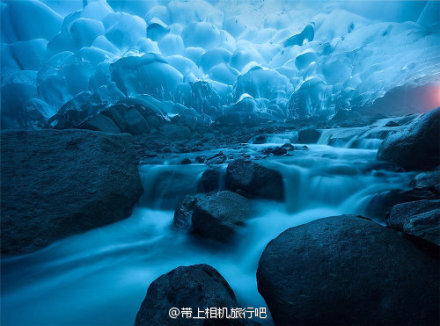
[(289, 59)]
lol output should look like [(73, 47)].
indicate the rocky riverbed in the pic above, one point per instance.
[(247, 218)]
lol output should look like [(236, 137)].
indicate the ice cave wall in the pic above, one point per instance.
[(278, 59)]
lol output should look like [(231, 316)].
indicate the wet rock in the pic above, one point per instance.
[(260, 139), (419, 218), (392, 124), (417, 147), (183, 213), (201, 159), (186, 161), (56, 183), (210, 181), (254, 180), (219, 215), (338, 270), (427, 180), (276, 151), (218, 158), (381, 204), (195, 286), (288, 147), (309, 136), (213, 216)]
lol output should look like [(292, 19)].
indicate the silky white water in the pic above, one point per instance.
[(101, 277)]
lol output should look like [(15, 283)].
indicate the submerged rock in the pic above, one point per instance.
[(254, 180), (215, 216), (417, 147), (195, 287), (419, 218), (56, 183), (345, 270)]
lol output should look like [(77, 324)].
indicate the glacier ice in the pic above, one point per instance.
[(293, 59)]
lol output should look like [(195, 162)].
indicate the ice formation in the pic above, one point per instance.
[(277, 59)]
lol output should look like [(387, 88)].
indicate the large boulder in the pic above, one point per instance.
[(417, 147), (345, 270), (419, 218), (56, 183), (195, 287), (213, 216), (254, 180)]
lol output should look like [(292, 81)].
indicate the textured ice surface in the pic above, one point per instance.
[(316, 56)]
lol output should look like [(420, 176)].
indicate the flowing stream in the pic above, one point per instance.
[(101, 277)]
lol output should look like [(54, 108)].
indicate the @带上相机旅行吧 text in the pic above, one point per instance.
[(218, 313)]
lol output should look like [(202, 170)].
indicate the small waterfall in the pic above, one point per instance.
[(165, 185)]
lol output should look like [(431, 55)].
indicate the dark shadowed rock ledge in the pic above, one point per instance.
[(417, 147), (56, 183)]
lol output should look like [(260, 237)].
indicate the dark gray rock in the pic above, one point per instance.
[(419, 218), (346, 270), (210, 180), (276, 151), (309, 136), (392, 124), (213, 216), (185, 161), (417, 147), (425, 226), (56, 183), (288, 147), (217, 216), (195, 286), (183, 213), (254, 180), (427, 180), (381, 204), (260, 139), (218, 158)]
